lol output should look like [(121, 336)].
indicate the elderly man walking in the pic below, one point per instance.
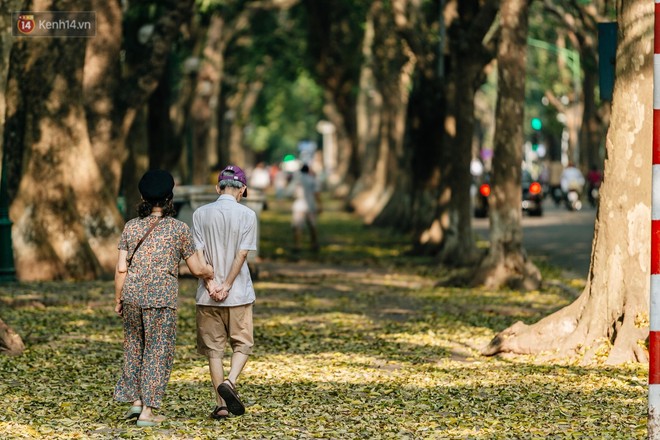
[(226, 231)]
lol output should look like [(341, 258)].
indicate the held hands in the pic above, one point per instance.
[(218, 292)]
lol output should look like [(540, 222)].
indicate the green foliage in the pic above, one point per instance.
[(359, 343), (287, 112), (272, 51), (553, 66)]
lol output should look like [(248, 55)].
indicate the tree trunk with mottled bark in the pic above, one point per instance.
[(100, 85), (336, 66), (506, 263), (10, 341), (450, 234), (242, 103), (67, 120), (66, 223), (609, 321), (6, 41), (386, 75)]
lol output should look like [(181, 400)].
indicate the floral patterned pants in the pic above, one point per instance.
[(149, 342)]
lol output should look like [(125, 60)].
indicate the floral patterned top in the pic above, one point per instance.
[(153, 276)]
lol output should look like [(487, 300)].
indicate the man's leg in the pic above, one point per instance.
[(296, 238), (227, 389), (241, 341), (311, 225), (217, 377), (211, 341), (238, 361)]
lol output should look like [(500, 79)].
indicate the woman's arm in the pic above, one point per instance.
[(120, 276), (198, 267)]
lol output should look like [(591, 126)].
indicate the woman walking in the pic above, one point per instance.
[(146, 291)]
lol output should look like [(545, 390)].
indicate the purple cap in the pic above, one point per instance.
[(232, 172)]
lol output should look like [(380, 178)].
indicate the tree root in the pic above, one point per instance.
[(576, 332), (549, 334), (514, 272), (10, 342)]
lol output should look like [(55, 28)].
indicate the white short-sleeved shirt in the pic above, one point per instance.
[(571, 178), (305, 188), (221, 229)]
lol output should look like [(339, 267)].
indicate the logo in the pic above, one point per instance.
[(25, 24)]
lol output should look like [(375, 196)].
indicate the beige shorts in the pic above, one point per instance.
[(217, 326), (301, 215)]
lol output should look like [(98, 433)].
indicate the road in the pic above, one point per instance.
[(560, 237)]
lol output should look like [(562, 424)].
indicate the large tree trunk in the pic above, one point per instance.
[(115, 94), (205, 118), (386, 77), (610, 319), (242, 103), (419, 114), (450, 233), (10, 342), (66, 224), (593, 128), (506, 262), (6, 41), (113, 98), (101, 82), (165, 142), (336, 57)]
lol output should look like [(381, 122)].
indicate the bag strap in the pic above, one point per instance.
[(128, 260)]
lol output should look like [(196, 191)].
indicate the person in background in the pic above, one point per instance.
[(554, 181), (146, 291), (305, 208), (572, 179), (594, 179), (225, 231), (260, 177), (260, 180)]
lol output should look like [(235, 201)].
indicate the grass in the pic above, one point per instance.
[(356, 342)]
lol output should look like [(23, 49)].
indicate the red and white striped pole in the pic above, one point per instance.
[(654, 329)]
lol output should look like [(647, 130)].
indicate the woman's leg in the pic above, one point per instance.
[(158, 358), (128, 386)]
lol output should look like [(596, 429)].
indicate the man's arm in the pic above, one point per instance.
[(236, 266)]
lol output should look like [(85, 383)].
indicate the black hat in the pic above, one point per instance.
[(156, 185)]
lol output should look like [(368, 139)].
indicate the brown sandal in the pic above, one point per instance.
[(227, 391)]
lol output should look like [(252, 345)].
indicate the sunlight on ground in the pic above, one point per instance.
[(348, 346)]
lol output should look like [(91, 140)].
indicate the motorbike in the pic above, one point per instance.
[(573, 202), (557, 194)]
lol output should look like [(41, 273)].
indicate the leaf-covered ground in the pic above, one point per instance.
[(353, 343)]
